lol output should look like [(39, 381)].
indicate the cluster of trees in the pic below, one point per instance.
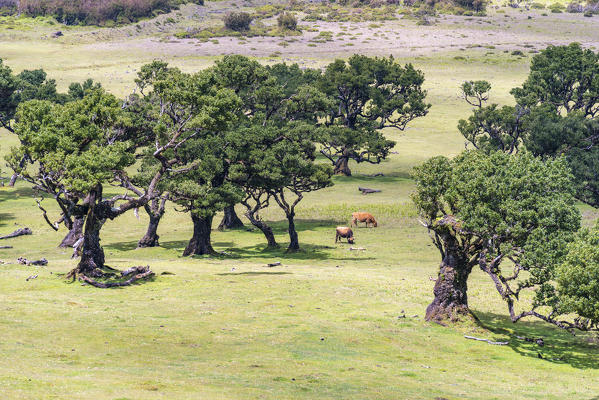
[(508, 206), (93, 12), (235, 133)]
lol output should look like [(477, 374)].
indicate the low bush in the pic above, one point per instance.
[(238, 21), (287, 21), (574, 7), (556, 8)]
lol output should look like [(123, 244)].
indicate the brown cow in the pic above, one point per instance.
[(363, 217), (344, 232)]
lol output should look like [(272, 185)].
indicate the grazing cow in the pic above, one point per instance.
[(346, 233), (363, 217)]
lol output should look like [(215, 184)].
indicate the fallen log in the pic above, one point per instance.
[(5, 247), (367, 190), (143, 273), (24, 261), (357, 248), (275, 264), (31, 277), (18, 232), (375, 175), (486, 340)]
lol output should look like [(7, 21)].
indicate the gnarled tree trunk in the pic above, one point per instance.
[(230, 219), (75, 232), (266, 230), (342, 166), (200, 241), (293, 238), (13, 179), (92, 254), (451, 299), (155, 212)]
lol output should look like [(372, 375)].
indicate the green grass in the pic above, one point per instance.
[(324, 325)]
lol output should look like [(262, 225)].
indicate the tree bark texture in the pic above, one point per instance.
[(266, 230), (293, 238), (92, 254), (450, 291), (75, 232), (342, 166), (155, 212), (230, 219), (199, 244)]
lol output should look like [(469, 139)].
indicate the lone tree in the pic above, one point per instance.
[(510, 215), (555, 115), (295, 162), (78, 148), (368, 94)]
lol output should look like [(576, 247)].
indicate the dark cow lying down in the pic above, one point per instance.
[(346, 233)]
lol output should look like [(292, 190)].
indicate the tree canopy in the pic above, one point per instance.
[(368, 94), (272, 147), (510, 215), (555, 114)]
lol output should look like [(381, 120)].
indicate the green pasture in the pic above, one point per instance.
[(329, 323)]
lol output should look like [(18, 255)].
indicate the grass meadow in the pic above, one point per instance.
[(326, 324)]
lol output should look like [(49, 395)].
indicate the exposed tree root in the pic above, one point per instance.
[(18, 232), (138, 273), (487, 340)]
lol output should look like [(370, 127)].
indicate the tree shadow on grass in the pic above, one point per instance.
[(5, 217), (306, 252), (14, 193), (231, 250), (560, 346), (253, 273)]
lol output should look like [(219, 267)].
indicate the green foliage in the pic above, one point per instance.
[(578, 279), (474, 5), (237, 21), (287, 21), (100, 12), (77, 90), (74, 143), (272, 147), (27, 85), (501, 208), (368, 94), (554, 115)]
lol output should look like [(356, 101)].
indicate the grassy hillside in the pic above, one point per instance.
[(328, 323)]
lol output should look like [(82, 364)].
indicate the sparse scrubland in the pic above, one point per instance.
[(214, 320)]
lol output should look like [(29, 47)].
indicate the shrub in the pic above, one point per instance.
[(474, 5), (574, 7), (287, 21), (237, 21), (97, 12), (10, 4), (537, 6)]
